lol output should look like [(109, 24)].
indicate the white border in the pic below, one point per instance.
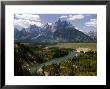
[(100, 79)]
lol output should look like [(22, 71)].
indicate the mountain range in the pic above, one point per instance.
[(60, 31), (92, 34)]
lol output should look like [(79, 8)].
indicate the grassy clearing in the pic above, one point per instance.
[(92, 46)]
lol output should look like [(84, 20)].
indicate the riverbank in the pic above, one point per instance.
[(71, 55)]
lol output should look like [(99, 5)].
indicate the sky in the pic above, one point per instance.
[(82, 22)]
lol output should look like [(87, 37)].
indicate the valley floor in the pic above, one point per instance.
[(62, 59)]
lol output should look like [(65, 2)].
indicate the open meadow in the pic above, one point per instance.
[(92, 46)]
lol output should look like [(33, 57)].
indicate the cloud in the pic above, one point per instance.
[(72, 17), (26, 23), (25, 20), (63, 16), (91, 23), (31, 17), (75, 17)]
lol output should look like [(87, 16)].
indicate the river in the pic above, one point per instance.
[(70, 55)]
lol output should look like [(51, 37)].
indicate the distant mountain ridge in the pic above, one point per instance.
[(92, 34), (60, 31)]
